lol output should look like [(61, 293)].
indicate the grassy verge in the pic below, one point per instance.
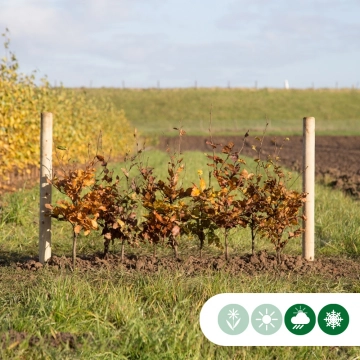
[(118, 315), (156, 112), (125, 316)]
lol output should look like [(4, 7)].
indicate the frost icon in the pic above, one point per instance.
[(233, 314), (333, 319)]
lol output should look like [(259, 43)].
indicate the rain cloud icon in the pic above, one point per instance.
[(300, 320)]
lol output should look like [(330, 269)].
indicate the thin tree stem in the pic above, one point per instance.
[(226, 246), (74, 250), (123, 250)]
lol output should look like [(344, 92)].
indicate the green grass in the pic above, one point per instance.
[(156, 112), (140, 317), (136, 316)]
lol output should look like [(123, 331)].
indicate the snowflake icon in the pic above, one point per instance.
[(333, 319)]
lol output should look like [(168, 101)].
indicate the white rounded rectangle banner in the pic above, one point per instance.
[(282, 319)]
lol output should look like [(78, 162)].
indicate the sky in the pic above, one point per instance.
[(183, 43)]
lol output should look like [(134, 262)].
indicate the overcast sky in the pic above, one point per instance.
[(178, 42)]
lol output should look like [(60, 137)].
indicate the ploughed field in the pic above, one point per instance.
[(337, 158)]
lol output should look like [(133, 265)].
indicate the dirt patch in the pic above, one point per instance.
[(337, 158), (13, 339), (262, 262)]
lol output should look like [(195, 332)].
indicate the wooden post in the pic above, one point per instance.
[(309, 187), (45, 188)]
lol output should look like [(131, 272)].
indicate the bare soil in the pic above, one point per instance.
[(337, 158), (260, 263)]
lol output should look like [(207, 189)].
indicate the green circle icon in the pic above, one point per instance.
[(233, 319), (266, 319), (300, 319), (333, 319)]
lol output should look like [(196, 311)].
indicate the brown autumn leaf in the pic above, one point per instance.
[(175, 230), (158, 216), (77, 229), (108, 235), (195, 191), (202, 184), (94, 224), (244, 173), (214, 146)]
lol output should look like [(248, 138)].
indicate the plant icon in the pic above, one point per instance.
[(233, 319), (233, 314)]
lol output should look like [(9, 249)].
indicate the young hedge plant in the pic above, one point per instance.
[(282, 218), (164, 201), (119, 221), (84, 204), (225, 206)]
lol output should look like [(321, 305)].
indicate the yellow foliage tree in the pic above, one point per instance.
[(78, 119)]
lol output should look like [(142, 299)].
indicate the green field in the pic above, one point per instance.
[(157, 111), (121, 315)]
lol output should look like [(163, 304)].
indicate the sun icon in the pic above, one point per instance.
[(300, 311), (266, 319)]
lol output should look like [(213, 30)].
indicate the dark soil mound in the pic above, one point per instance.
[(262, 262)]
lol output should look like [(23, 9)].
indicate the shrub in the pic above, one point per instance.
[(77, 118)]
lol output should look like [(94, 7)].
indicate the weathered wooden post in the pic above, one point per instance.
[(308, 243), (45, 188)]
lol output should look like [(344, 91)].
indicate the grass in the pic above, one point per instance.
[(135, 316), (140, 317), (156, 111)]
